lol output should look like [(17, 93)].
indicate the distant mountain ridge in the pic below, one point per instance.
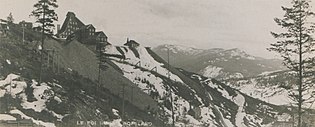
[(217, 62)]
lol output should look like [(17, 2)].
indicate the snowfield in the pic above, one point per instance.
[(272, 94), (179, 48), (42, 93), (38, 122), (146, 79), (211, 71), (16, 88), (145, 59), (240, 101), (6, 117)]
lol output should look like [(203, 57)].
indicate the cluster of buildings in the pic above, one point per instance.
[(4, 25), (74, 28)]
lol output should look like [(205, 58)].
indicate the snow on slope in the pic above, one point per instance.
[(11, 87), (244, 114), (263, 88), (146, 60), (239, 53), (240, 101), (211, 71), (6, 117), (142, 79), (150, 82), (16, 88), (135, 73), (40, 95), (271, 94), (184, 49), (38, 122)]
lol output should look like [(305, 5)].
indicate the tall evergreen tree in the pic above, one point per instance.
[(45, 14), (296, 46), (102, 57), (10, 18)]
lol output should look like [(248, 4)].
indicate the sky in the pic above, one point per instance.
[(204, 24)]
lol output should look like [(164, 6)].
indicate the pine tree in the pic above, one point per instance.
[(102, 57), (45, 14), (10, 18), (296, 46)]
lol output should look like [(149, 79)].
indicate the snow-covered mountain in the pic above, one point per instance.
[(217, 63)]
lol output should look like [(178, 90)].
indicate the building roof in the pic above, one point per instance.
[(3, 21), (24, 22), (100, 33), (131, 42), (64, 25), (89, 26)]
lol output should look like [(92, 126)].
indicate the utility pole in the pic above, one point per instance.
[(58, 61), (48, 62), (170, 90), (23, 27), (53, 61), (100, 64), (9, 106), (293, 114), (123, 104), (132, 94)]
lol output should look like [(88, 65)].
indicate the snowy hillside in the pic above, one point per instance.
[(272, 87), (66, 97), (14, 87), (228, 107), (237, 108), (33, 101), (217, 63), (151, 76), (183, 49)]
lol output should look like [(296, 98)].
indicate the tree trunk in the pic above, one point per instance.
[(300, 101), (42, 45)]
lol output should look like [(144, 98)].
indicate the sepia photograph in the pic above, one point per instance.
[(157, 63)]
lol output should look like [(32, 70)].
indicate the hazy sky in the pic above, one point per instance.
[(244, 24)]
